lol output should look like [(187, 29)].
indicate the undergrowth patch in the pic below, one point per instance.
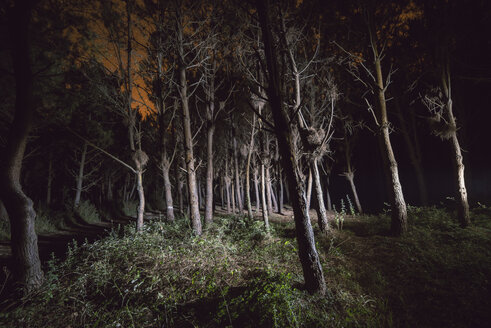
[(237, 275)]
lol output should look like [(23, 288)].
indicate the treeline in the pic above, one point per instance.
[(183, 106)]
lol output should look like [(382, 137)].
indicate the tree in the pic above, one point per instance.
[(26, 263), (309, 258)]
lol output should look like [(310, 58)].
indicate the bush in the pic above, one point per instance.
[(88, 212)]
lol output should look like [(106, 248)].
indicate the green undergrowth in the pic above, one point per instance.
[(236, 275)]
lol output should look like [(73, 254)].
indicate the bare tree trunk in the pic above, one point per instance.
[(222, 194), (273, 197), (236, 168), (248, 170), (309, 258), (256, 189), (50, 178), (399, 212), (141, 197), (227, 187), (232, 196), (321, 209), (309, 189), (263, 197), (209, 174), (350, 176), (280, 192), (80, 176), (188, 141), (25, 255), (461, 192), (398, 204), (168, 190)]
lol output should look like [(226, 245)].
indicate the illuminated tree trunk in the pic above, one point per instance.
[(25, 255), (209, 173), (263, 198), (309, 189), (256, 189), (236, 170), (309, 258), (167, 188), (321, 208), (248, 170), (188, 137), (398, 204), (458, 161)]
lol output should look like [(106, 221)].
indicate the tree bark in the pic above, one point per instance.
[(25, 255), (236, 168), (168, 190), (398, 204), (280, 191), (461, 192), (350, 176), (263, 198), (309, 258), (248, 170), (309, 189), (188, 138), (209, 174), (256, 189), (321, 209)]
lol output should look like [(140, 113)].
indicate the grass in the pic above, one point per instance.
[(236, 275)]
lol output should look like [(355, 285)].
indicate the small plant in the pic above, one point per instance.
[(339, 216), (351, 207)]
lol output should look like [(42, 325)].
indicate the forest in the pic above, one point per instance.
[(258, 163)]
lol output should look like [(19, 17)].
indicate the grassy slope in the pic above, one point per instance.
[(438, 275)]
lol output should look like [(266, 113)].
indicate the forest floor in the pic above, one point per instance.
[(236, 275)]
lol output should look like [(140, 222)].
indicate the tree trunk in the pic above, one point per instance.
[(280, 192), (256, 189), (232, 196), (80, 176), (328, 195), (350, 176), (209, 175), (398, 205), (248, 170), (188, 143), (227, 189), (141, 198), (263, 198), (25, 255), (321, 209), (168, 191), (273, 197), (222, 194), (461, 192), (309, 190), (237, 177), (309, 258)]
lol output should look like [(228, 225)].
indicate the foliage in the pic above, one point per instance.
[(88, 212), (237, 275), (165, 276), (130, 208)]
